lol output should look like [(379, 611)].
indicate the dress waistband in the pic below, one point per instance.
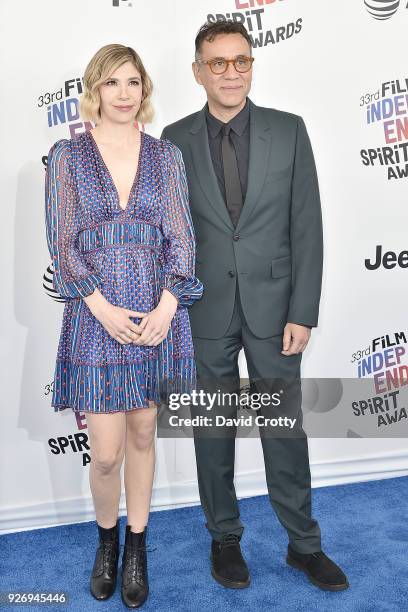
[(121, 233)]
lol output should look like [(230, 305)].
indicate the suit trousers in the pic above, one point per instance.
[(286, 458)]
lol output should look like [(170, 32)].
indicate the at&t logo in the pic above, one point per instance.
[(382, 9)]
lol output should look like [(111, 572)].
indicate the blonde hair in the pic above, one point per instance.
[(104, 62)]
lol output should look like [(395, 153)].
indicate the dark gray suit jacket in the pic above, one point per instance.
[(275, 253)]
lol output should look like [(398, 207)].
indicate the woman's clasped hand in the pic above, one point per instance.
[(152, 329)]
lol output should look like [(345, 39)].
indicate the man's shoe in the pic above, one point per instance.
[(321, 570), (105, 568), (228, 566), (135, 585)]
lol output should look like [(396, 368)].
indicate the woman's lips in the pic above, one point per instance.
[(124, 109)]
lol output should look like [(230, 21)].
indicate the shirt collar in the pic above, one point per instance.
[(237, 123)]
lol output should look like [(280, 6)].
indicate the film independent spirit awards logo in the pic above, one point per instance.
[(251, 13), (385, 361), (386, 114), (382, 9)]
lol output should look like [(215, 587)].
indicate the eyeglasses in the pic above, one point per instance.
[(219, 65)]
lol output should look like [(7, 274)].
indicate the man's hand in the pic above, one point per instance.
[(295, 338)]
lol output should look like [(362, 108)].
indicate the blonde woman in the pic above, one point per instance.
[(122, 243)]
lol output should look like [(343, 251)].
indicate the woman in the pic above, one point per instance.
[(122, 243)]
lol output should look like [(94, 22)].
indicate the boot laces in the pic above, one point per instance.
[(108, 553), (230, 539), (134, 561), (106, 557)]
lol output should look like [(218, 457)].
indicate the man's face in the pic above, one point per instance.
[(230, 89)]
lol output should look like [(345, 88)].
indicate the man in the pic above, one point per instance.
[(255, 205)]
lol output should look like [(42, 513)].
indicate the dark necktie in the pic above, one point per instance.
[(233, 193)]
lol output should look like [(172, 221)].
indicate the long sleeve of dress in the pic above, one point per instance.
[(178, 232), (72, 276)]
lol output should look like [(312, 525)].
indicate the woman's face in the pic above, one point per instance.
[(121, 94)]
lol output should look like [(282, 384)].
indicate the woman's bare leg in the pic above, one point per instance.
[(107, 434), (139, 464)]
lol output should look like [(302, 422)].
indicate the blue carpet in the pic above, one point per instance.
[(364, 527)]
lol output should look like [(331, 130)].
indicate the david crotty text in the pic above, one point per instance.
[(222, 421)]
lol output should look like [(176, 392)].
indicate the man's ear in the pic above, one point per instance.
[(196, 72)]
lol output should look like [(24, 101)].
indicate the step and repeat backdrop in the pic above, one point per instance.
[(342, 67)]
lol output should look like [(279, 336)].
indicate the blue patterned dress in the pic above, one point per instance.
[(131, 255)]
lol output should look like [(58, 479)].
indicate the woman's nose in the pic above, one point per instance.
[(123, 91)]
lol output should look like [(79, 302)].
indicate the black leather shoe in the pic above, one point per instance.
[(135, 586), (321, 570), (228, 566), (105, 569)]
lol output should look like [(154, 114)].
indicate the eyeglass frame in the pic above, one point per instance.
[(228, 62)]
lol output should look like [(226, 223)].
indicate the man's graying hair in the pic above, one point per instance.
[(209, 31)]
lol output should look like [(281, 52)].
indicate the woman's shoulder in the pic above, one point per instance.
[(60, 147), (66, 146), (67, 149), (61, 150)]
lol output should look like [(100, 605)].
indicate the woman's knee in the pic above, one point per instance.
[(141, 433), (143, 439), (107, 462)]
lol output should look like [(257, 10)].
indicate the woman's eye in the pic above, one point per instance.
[(135, 82)]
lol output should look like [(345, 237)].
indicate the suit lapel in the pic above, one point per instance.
[(259, 151), (201, 156)]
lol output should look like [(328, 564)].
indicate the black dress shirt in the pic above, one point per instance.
[(240, 139)]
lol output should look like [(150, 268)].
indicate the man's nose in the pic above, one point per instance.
[(230, 72)]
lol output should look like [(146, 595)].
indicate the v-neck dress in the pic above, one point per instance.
[(131, 255)]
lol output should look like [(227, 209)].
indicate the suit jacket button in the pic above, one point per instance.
[(231, 273), (236, 237)]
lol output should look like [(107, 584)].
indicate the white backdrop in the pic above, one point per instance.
[(320, 67)]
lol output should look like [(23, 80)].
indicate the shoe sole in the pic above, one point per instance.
[(134, 607), (101, 598), (321, 585), (229, 584)]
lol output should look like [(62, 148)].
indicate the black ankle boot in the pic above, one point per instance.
[(104, 572), (228, 566), (135, 586)]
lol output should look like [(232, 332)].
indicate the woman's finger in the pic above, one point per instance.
[(143, 324), (135, 313), (123, 337), (131, 334), (127, 324)]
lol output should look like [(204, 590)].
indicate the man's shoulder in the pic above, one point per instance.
[(182, 126), (275, 116)]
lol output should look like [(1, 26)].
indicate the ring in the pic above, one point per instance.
[(130, 332)]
